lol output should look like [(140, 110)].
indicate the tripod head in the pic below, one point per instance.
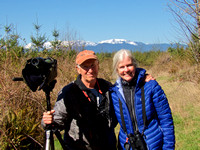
[(39, 73)]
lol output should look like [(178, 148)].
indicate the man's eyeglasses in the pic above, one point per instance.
[(92, 66)]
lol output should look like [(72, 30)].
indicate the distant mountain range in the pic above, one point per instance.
[(114, 45)]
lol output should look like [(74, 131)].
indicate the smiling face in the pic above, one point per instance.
[(89, 71), (126, 69)]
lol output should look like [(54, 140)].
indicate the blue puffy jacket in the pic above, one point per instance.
[(159, 132)]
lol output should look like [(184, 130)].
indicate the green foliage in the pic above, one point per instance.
[(187, 137), (9, 44), (146, 58), (194, 51), (39, 39), (10, 41), (19, 130), (56, 43), (57, 144), (102, 56), (71, 53), (176, 52), (190, 54), (10, 38)]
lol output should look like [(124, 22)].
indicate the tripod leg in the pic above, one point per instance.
[(49, 145), (48, 134), (51, 140)]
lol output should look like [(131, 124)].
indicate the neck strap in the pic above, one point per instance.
[(86, 95)]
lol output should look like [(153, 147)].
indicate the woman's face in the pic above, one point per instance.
[(126, 69)]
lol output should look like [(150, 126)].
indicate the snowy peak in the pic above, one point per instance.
[(87, 43), (29, 45), (117, 41), (110, 45)]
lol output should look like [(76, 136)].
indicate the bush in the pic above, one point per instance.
[(146, 58), (19, 130)]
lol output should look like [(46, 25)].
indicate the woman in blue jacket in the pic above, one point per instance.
[(142, 108)]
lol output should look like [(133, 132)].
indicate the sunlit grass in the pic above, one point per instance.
[(184, 101), (180, 83), (57, 145)]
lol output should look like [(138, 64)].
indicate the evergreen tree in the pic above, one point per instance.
[(38, 40), (55, 43)]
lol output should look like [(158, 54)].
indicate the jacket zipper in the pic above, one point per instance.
[(130, 124), (134, 111)]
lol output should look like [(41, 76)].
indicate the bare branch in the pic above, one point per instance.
[(181, 21)]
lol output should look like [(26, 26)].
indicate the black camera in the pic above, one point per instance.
[(40, 72), (137, 142)]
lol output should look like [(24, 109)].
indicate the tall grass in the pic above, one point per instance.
[(21, 109), (185, 102)]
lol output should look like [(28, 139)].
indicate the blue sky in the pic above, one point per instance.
[(147, 21)]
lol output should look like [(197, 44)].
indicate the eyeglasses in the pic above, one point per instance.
[(92, 66)]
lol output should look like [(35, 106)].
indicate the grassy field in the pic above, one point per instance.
[(179, 80), (184, 100)]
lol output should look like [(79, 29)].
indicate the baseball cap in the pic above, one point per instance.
[(85, 55)]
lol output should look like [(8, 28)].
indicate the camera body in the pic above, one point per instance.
[(39, 72), (137, 142)]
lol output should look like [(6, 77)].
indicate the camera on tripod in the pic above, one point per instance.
[(39, 72)]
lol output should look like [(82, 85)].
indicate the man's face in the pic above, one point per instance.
[(89, 70)]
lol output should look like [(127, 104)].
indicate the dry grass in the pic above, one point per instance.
[(179, 79), (183, 93)]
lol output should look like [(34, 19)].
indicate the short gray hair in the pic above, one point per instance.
[(119, 56)]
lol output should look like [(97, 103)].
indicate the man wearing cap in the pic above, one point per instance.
[(84, 109)]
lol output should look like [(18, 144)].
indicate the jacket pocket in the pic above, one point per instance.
[(153, 135)]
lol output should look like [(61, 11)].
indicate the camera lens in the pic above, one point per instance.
[(35, 61)]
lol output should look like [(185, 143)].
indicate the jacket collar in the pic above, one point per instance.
[(80, 84)]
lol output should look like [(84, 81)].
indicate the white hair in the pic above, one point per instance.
[(119, 56)]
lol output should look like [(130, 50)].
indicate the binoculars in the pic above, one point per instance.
[(136, 142)]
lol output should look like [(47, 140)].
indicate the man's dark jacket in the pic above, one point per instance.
[(87, 127)]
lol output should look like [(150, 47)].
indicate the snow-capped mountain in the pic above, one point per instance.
[(112, 45), (28, 46), (117, 41)]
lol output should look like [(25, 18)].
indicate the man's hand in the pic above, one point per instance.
[(149, 77), (48, 117)]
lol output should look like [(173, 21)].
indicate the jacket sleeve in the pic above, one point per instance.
[(164, 115), (61, 115)]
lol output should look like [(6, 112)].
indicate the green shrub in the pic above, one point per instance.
[(19, 130), (146, 58)]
